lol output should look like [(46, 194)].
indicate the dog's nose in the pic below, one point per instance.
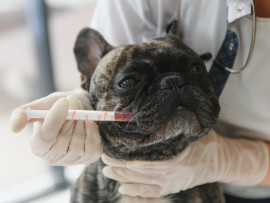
[(171, 82)]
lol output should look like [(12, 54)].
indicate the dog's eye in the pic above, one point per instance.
[(128, 83), (196, 69)]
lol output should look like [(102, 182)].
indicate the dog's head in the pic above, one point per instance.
[(163, 83)]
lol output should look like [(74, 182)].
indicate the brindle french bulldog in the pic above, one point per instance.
[(166, 86)]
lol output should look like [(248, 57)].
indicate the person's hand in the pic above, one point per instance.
[(210, 159), (57, 141)]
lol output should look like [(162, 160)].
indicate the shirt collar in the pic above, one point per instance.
[(238, 9)]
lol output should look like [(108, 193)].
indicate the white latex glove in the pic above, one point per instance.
[(210, 159), (56, 140)]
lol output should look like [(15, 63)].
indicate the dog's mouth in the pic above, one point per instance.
[(182, 121), (131, 131), (188, 119), (190, 113)]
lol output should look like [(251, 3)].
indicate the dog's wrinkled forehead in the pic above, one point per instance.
[(162, 55), (96, 57)]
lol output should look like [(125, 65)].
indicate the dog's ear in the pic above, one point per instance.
[(172, 28), (173, 31), (89, 48)]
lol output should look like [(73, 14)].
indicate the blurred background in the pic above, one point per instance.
[(36, 58)]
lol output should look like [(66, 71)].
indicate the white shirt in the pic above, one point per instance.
[(245, 100)]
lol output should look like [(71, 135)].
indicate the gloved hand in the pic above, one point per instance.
[(56, 140), (210, 159)]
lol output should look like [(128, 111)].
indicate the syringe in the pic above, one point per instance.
[(85, 115)]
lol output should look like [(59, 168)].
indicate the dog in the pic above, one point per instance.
[(165, 85)]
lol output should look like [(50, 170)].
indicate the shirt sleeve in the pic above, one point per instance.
[(130, 22)]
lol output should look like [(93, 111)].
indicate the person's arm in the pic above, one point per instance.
[(266, 180), (211, 159)]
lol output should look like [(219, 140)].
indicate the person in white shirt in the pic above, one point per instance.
[(245, 100)]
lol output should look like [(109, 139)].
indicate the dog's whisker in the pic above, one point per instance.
[(131, 120)]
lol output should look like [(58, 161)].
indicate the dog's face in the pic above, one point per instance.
[(163, 83)]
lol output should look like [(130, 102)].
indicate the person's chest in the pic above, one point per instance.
[(203, 24), (245, 100)]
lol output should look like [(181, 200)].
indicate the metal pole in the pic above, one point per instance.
[(36, 14)]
